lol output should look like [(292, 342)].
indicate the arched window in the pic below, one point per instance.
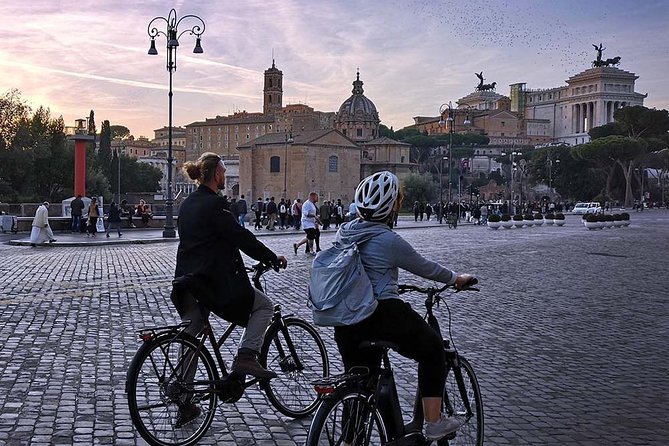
[(275, 164), (333, 164)]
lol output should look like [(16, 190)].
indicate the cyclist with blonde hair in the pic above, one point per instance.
[(387, 317)]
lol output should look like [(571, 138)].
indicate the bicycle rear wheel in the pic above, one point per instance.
[(347, 419), (165, 382), (298, 356), (471, 432)]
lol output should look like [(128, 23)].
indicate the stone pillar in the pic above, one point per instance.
[(80, 140)]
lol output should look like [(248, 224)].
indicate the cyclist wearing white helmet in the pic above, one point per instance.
[(378, 198)]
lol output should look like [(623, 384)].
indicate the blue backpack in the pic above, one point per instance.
[(340, 292)]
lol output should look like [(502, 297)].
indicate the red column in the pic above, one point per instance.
[(80, 167)]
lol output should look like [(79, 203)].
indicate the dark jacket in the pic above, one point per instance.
[(114, 213), (77, 206), (271, 208), (210, 241)]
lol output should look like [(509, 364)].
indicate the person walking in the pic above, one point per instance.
[(428, 211), (283, 213), (210, 245), (324, 214), (242, 210), (76, 210), (296, 211), (41, 230), (338, 213), (271, 214), (114, 219), (93, 215), (416, 211), (309, 225), (257, 209)]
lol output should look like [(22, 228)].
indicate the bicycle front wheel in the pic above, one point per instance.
[(471, 432), (298, 356), (170, 387), (347, 419)]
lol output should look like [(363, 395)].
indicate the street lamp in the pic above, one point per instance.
[(441, 170), (289, 139), (172, 36), (512, 170), (550, 176), (451, 122)]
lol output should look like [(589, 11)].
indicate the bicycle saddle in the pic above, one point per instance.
[(375, 343)]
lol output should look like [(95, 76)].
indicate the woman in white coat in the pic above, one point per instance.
[(41, 231)]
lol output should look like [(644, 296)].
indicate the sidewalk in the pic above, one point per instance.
[(144, 236)]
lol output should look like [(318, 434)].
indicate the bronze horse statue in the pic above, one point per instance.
[(486, 87), (606, 63)]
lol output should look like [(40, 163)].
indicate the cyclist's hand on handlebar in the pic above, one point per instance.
[(464, 281), (281, 262)]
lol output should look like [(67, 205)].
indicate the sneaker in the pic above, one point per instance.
[(444, 426), (247, 364), (52, 240), (187, 414), (32, 245), (119, 236), (295, 248), (107, 235)]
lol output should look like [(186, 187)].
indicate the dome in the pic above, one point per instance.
[(357, 107)]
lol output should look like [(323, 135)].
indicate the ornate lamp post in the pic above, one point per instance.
[(512, 155), (172, 36), (451, 122)]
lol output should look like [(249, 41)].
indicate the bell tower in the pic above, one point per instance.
[(273, 90)]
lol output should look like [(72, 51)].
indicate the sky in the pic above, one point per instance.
[(413, 55)]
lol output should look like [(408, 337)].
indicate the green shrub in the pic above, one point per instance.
[(625, 216), (550, 216), (528, 217), (506, 217), (518, 217), (494, 218), (538, 216), (592, 218), (559, 216)]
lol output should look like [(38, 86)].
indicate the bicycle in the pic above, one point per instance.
[(452, 221), (361, 407), (173, 370)]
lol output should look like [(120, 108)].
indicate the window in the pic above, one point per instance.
[(333, 164), (275, 164), (359, 132)]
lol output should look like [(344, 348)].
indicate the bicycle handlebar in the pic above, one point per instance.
[(436, 290)]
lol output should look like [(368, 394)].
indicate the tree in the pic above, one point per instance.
[(119, 131), (611, 152), (14, 112), (642, 122), (418, 187), (104, 154)]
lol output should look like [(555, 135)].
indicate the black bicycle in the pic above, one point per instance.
[(173, 370), (361, 407)]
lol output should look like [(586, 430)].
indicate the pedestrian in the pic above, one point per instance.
[(310, 226), (93, 215), (422, 210), (416, 211), (210, 245), (242, 210), (271, 214), (324, 213), (41, 231), (114, 219), (283, 213), (76, 210), (339, 213), (296, 210), (428, 211), (484, 214), (258, 208)]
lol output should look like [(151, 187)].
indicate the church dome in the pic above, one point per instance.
[(357, 117), (357, 107)]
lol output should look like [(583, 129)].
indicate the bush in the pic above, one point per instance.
[(538, 216), (550, 216), (617, 217), (592, 218), (528, 217), (625, 216), (494, 218), (506, 217), (518, 217), (559, 216)]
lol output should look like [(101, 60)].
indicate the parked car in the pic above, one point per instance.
[(587, 208)]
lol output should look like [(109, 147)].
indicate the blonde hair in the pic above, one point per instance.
[(204, 169)]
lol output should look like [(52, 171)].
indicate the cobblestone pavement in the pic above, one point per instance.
[(568, 335)]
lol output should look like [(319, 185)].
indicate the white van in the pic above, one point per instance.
[(587, 208)]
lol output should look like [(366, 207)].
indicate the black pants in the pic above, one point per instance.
[(395, 321)]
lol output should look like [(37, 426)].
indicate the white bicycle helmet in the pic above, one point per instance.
[(375, 196)]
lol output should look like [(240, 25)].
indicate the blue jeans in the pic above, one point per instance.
[(242, 219), (76, 223)]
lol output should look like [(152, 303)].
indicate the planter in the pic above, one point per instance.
[(548, 221), (592, 224), (494, 224), (559, 222), (538, 221), (507, 224), (518, 223)]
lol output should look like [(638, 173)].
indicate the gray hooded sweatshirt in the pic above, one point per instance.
[(383, 252)]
